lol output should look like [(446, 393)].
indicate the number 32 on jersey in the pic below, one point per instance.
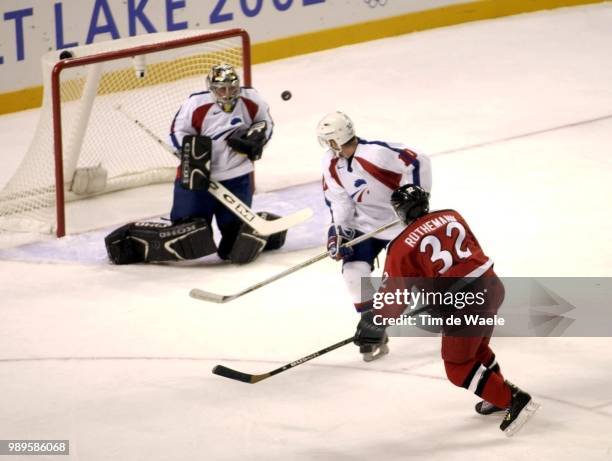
[(455, 229)]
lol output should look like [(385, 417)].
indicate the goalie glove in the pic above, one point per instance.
[(195, 162), (336, 237), (249, 141)]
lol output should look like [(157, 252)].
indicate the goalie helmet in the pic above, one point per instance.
[(224, 84), (410, 202), (335, 130)]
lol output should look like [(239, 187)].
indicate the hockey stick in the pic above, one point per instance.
[(252, 379), (226, 372), (218, 298), (229, 200), (261, 226)]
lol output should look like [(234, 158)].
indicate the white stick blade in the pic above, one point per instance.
[(284, 223), (208, 296)]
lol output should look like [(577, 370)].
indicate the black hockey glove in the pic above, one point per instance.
[(367, 331), (249, 141)]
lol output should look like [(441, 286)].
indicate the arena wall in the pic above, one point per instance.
[(278, 28)]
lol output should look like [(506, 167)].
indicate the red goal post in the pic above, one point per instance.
[(89, 98)]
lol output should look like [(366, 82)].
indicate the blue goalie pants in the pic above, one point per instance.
[(188, 204)]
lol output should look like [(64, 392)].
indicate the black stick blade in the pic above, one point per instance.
[(232, 374)]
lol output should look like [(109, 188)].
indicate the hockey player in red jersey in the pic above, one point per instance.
[(437, 246)]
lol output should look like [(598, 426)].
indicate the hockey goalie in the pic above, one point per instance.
[(217, 135)]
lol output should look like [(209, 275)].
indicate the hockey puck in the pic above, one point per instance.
[(66, 54), (286, 95)]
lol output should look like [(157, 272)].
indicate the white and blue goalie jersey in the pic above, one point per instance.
[(201, 115)]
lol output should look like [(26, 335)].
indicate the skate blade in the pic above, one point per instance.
[(522, 418), (380, 352)]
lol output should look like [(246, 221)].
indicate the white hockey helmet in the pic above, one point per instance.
[(224, 84), (335, 130)]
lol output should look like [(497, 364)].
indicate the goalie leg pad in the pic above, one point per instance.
[(189, 240), (157, 242), (195, 162), (275, 241), (247, 246), (121, 249)]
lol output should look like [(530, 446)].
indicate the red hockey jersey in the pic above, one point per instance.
[(439, 244)]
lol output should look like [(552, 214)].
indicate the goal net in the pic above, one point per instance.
[(105, 119)]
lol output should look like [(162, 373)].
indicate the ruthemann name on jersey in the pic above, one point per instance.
[(427, 227)]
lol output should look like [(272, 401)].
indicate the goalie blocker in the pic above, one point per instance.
[(145, 242), (195, 158)]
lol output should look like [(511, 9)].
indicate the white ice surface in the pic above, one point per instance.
[(118, 359)]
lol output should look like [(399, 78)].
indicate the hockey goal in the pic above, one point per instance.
[(105, 119)]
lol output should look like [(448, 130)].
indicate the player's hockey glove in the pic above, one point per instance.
[(336, 237), (367, 331), (249, 141)]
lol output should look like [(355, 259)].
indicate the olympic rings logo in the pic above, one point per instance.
[(375, 3)]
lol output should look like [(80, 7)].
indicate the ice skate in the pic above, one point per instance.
[(372, 352), (486, 408), (522, 407)]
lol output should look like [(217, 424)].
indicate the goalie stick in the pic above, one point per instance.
[(230, 373), (219, 298), (229, 200), (261, 226)]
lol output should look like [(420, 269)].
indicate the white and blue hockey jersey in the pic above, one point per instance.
[(201, 115), (358, 190)]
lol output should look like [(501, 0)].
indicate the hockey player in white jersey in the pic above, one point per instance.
[(235, 121), (359, 177)]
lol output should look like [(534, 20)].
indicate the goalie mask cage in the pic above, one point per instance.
[(86, 127)]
